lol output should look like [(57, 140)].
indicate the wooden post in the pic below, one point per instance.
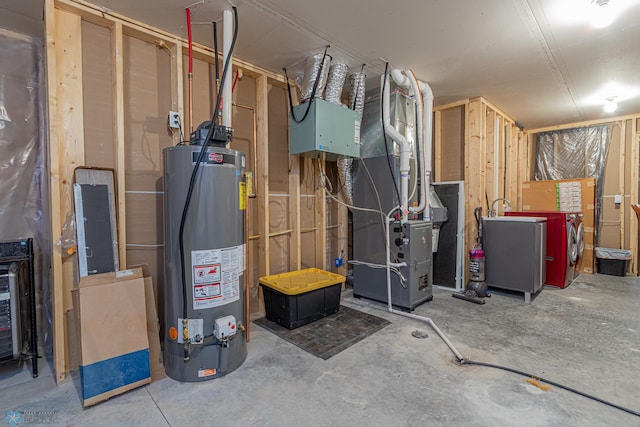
[(66, 152), (118, 122), (437, 144), (177, 89), (262, 119), (57, 217), (633, 223), (474, 165)]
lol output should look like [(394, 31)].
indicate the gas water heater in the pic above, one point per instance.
[(212, 342)]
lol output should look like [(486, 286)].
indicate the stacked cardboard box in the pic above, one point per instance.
[(568, 195)]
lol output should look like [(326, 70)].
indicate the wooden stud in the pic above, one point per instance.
[(492, 106), (321, 218), (635, 196), (621, 180), (177, 89), (474, 166), (437, 144), (583, 124), (343, 230), (142, 31), (57, 217), (70, 117), (295, 254), (118, 122), (451, 105), (491, 152), (500, 159), (262, 120)]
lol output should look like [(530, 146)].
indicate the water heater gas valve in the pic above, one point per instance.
[(224, 327)]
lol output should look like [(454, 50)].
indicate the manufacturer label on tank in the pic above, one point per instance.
[(216, 158), (216, 276)]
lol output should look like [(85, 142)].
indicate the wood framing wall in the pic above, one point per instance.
[(476, 142), (619, 225), (111, 84)]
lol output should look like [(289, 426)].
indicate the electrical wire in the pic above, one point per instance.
[(396, 270), (194, 173), (384, 133), (313, 91), (324, 179), (553, 383)]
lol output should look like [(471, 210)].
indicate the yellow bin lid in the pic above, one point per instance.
[(299, 282)]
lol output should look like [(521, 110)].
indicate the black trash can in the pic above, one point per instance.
[(613, 262)]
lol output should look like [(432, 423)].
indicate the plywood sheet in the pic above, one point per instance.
[(278, 140), (611, 179), (97, 97), (452, 149), (147, 101)]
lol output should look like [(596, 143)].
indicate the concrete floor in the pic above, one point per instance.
[(586, 336)]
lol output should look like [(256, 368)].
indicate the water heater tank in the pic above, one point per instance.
[(214, 261)]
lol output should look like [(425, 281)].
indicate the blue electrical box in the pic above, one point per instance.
[(328, 128)]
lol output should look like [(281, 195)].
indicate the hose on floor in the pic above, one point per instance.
[(553, 383)]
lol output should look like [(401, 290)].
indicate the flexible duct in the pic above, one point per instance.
[(345, 168), (314, 66), (356, 94), (335, 83)]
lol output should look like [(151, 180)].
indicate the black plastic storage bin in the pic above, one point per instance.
[(300, 297), (613, 262)]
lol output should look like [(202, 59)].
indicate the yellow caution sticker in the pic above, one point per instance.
[(249, 177), (243, 196)]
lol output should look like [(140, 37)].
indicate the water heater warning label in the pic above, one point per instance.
[(216, 276)]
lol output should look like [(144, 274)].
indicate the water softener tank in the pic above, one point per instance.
[(214, 261)]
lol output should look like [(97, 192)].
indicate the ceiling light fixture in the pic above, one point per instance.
[(610, 104)]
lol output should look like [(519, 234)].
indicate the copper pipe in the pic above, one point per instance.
[(255, 148), (246, 262)]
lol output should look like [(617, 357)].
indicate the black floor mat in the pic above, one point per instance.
[(330, 335)]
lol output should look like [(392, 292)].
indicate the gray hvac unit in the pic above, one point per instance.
[(10, 336), (214, 262)]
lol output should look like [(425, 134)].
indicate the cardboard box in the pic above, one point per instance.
[(113, 334), (153, 326)]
